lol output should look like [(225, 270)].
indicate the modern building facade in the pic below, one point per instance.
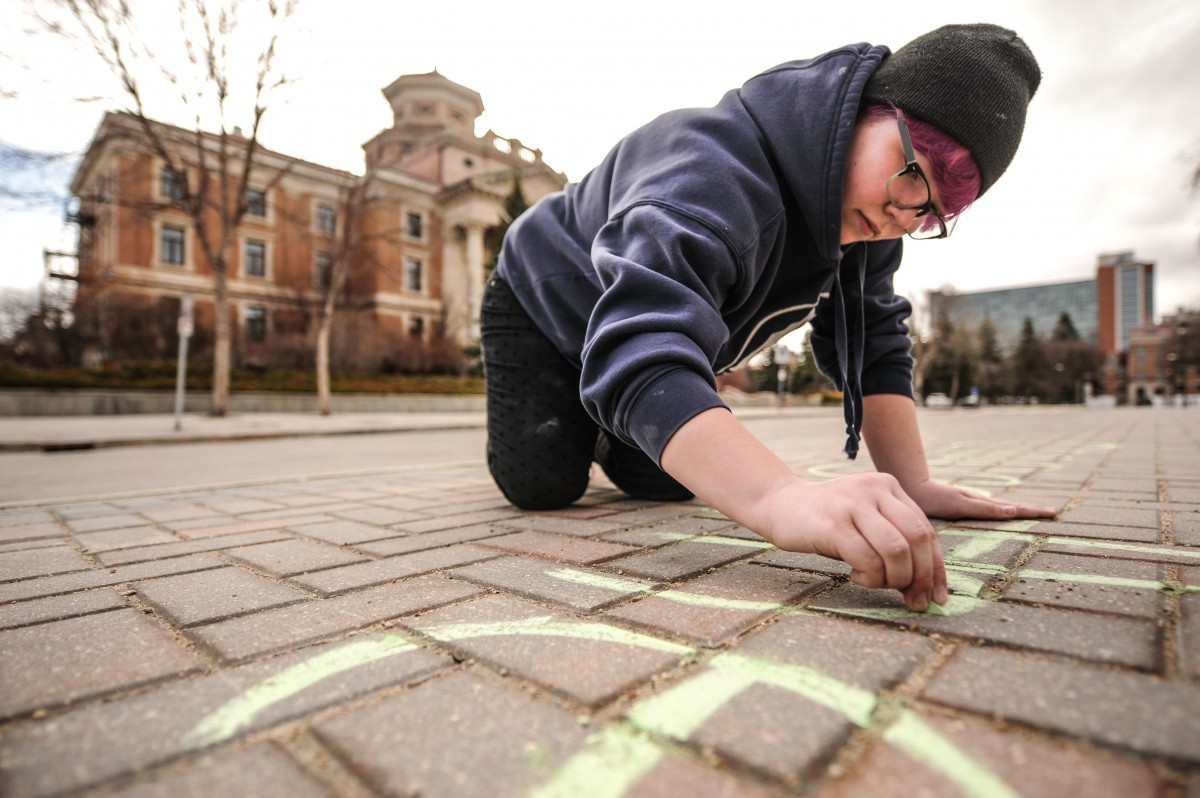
[(1104, 310), (419, 214), (1007, 309)]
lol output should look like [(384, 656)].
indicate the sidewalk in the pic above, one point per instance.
[(59, 433), (411, 633)]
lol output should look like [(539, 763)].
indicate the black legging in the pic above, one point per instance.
[(541, 442)]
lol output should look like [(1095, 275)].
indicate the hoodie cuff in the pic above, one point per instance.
[(665, 405)]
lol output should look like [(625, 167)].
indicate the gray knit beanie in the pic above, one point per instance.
[(973, 82)]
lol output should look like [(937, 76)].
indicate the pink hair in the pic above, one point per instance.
[(952, 167)]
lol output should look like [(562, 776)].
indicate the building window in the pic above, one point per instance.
[(326, 218), (323, 274), (256, 259), (412, 224), (256, 203), (256, 323), (171, 245), (412, 274), (417, 328), (170, 184)]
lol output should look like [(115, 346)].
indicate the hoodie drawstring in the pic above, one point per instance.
[(850, 354)]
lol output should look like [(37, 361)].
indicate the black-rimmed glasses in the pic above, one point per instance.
[(908, 189)]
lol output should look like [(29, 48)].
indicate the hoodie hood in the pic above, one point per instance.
[(814, 101)]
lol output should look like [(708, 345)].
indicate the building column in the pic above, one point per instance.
[(475, 256)]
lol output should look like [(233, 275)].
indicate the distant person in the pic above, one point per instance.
[(705, 236)]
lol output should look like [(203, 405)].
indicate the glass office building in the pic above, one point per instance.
[(1008, 307)]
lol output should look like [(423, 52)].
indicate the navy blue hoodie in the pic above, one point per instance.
[(703, 237)]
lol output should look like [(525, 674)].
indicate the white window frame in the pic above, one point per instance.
[(317, 226), (318, 283), (409, 262), (179, 224), (266, 322), (420, 217), (244, 259), (266, 205)]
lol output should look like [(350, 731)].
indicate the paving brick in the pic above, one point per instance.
[(102, 522), (1129, 710), (18, 532), (206, 596), (460, 519), (127, 538), (340, 533), (24, 517), (224, 542), (682, 560), (1078, 587), (241, 506), (1124, 641), (581, 527), (302, 624), (1185, 529), (678, 776), (803, 561), (1126, 484), (1147, 552), (17, 565), (1028, 765), (96, 743), (291, 557), (67, 583), (1117, 516), (178, 512), (339, 580), (26, 613), (381, 516), (580, 589), (588, 661), (714, 609), (770, 726), (1105, 531), (64, 661), (25, 545), (261, 770), (978, 546), (457, 736), (563, 548), (431, 540), (1188, 645), (231, 526)]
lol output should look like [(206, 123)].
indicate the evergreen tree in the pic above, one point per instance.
[(1064, 329), (515, 204), (989, 344), (1029, 364)]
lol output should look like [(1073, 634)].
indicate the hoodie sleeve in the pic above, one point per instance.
[(887, 362), (655, 333)]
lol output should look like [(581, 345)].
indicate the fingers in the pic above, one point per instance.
[(907, 556)]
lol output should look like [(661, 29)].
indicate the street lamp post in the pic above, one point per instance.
[(1182, 369)]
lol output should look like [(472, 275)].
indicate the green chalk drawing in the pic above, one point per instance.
[(717, 539), (680, 596), (599, 580), (680, 711), (612, 761), (981, 541), (1110, 581), (926, 745), (957, 605), (616, 758), (238, 713), (549, 626), (1020, 525), (1084, 543)]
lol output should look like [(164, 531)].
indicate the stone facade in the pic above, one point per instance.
[(411, 232)]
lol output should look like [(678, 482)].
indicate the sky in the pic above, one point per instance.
[(1110, 142)]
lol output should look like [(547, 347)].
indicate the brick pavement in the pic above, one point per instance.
[(411, 634)]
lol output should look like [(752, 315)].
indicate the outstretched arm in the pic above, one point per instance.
[(863, 519), (894, 440)]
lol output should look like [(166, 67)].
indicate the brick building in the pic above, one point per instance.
[(434, 189)]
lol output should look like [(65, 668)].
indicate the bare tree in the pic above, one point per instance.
[(213, 170)]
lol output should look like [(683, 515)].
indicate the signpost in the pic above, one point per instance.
[(186, 326)]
